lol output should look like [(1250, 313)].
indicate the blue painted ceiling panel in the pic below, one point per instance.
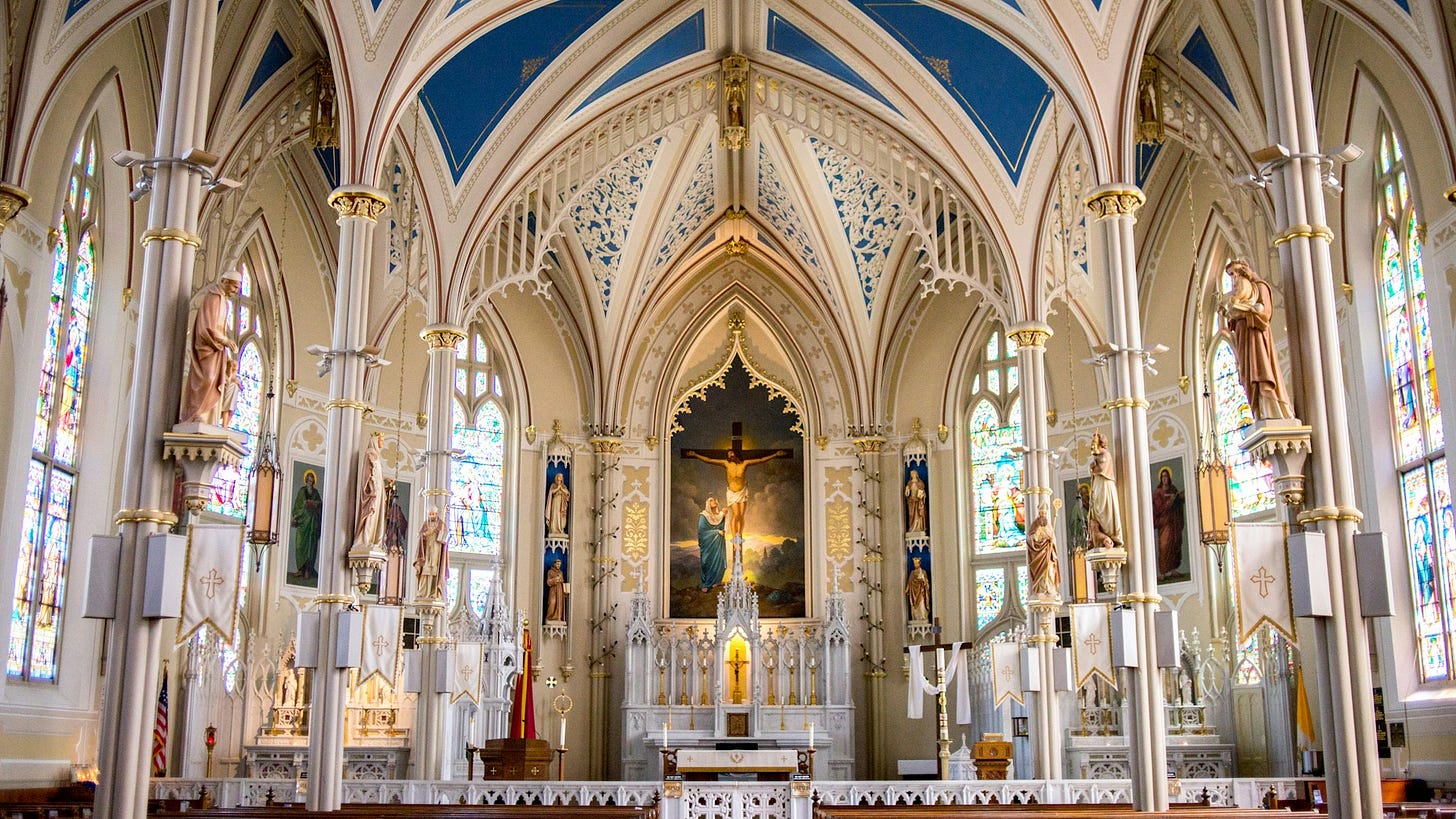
[(688, 37), (275, 55), (786, 39), (1405, 4), (467, 98), (1199, 51), (73, 6), (1147, 154), (1001, 93), (328, 160)]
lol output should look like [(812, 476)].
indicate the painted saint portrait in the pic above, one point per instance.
[(1170, 521), (305, 525), (737, 468)]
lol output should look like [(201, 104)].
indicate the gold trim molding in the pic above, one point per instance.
[(1124, 403), (1304, 232), (1114, 200), (166, 234), (442, 336), (1032, 334), (358, 202), (13, 200), (348, 403), (161, 517)]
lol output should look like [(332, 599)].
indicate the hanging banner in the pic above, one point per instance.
[(381, 643), (1261, 566), (210, 580), (1091, 642), (465, 682), (1006, 672)]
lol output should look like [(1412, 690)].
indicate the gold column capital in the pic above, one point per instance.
[(443, 336), (13, 200), (358, 201), (1114, 200), (1030, 334), (603, 446), (866, 445)]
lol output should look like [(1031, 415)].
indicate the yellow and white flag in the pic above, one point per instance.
[(381, 643), (466, 679), (1006, 672), (1261, 566), (210, 580), (1091, 642)]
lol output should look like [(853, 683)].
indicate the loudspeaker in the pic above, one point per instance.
[(1165, 628), (349, 640), (166, 558), (1030, 669), (412, 671), (306, 640), (1309, 575), (444, 671), (1123, 631), (101, 579), (1062, 669), (1373, 571)]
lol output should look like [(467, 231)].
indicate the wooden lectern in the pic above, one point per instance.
[(515, 759)]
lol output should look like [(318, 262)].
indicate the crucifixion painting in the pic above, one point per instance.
[(736, 496)]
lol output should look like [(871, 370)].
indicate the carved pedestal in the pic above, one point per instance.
[(993, 757)]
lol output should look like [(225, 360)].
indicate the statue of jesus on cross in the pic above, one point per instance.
[(735, 462)]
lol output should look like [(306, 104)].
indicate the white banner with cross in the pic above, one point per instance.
[(381, 643), (1006, 670), (1091, 644), (466, 681), (1261, 565), (210, 580)]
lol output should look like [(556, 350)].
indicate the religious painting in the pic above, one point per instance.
[(1076, 499), (305, 524), (555, 584), (1170, 521), (737, 465)]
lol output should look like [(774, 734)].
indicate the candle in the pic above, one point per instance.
[(664, 735), (811, 736), (563, 730)]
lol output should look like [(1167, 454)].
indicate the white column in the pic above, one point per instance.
[(169, 252), (1030, 338), (1342, 652), (429, 733), (1113, 207), (358, 208), (606, 443), (870, 444)]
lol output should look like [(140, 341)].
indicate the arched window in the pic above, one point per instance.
[(1251, 481), (1000, 515), (477, 472), (1420, 439), (40, 582), (230, 483)]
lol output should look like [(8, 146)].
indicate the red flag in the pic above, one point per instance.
[(159, 732), (523, 709)]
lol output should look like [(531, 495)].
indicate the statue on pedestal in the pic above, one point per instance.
[(1041, 557), (369, 524), (1247, 308), (1104, 518), (555, 593), (917, 592), (210, 352), (558, 505), (431, 557), (915, 504)]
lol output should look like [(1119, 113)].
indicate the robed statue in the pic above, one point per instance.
[(210, 362), (1104, 517), (1247, 308), (917, 592), (431, 557), (1041, 557), (369, 525)]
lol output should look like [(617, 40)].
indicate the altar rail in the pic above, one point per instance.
[(727, 800)]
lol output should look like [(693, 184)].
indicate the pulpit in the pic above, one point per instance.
[(993, 756), (515, 759)]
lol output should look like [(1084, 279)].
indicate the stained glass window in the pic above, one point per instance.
[(481, 583), (1246, 662), (995, 424), (1023, 583), (230, 483), (40, 579), (478, 471), (1415, 403), (1251, 481), (990, 595)]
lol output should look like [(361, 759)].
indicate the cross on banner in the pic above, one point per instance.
[(380, 644), (211, 580), (1007, 672), (1263, 579), (1092, 642)]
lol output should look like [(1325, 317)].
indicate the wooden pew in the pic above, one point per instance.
[(1047, 811), (400, 811)]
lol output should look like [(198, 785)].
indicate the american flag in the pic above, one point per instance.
[(159, 733)]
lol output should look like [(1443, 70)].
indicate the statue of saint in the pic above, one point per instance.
[(1104, 518), (396, 525), (211, 352), (431, 557), (558, 505), (1247, 308), (915, 504), (917, 592), (1041, 557), (555, 593), (231, 383), (369, 525)]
